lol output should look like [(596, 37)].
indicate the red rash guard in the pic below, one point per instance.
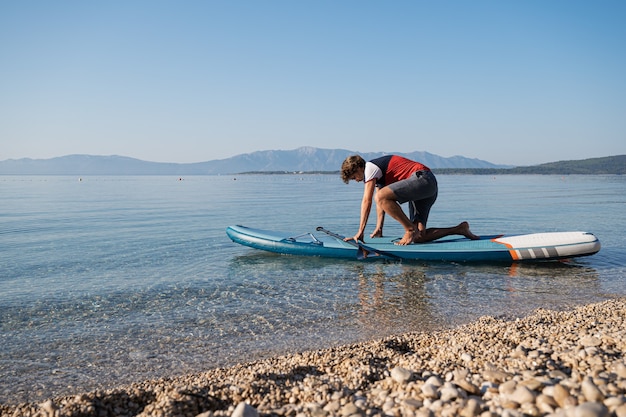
[(396, 168)]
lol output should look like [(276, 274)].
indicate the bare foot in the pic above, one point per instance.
[(407, 239), (465, 231)]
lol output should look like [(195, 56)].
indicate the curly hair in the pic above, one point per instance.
[(350, 166)]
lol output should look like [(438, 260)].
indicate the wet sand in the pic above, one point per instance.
[(561, 363)]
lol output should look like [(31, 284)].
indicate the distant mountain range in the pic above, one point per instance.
[(305, 159)]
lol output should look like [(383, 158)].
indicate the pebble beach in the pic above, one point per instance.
[(550, 363)]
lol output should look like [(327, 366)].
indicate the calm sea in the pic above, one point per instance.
[(110, 280)]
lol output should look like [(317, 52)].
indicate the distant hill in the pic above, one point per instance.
[(305, 159), (611, 165)]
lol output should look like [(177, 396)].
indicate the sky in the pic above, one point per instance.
[(509, 82)]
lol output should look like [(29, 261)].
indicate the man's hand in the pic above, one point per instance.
[(358, 237)]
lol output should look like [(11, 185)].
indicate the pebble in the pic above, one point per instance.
[(400, 375), (590, 410), (430, 391), (245, 410), (467, 386), (449, 393), (550, 363), (591, 391), (522, 395)]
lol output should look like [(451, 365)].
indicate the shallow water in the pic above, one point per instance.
[(109, 280)]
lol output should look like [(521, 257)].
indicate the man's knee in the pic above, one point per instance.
[(385, 195)]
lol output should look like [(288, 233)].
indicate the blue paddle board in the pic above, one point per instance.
[(323, 243)]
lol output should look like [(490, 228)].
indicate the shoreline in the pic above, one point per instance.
[(549, 362)]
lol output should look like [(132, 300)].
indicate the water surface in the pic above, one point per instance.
[(109, 280)]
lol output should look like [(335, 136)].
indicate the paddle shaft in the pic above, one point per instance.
[(363, 250)]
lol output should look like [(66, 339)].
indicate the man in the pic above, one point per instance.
[(399, 180)]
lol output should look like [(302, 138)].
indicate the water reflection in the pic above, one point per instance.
[(372, 299), (397, 297), (392, 299)]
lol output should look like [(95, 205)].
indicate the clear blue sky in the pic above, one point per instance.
[(510, 82)]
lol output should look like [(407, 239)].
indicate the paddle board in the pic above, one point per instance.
[(323, 243)]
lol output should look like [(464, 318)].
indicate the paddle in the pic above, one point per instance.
[(362, 250)]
